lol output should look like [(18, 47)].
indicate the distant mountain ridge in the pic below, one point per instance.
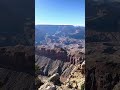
[(57, 31), (55, 28)]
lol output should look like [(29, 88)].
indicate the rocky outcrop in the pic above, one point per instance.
[(48, 66), (14, 80), (54, 78), (117, 86), (18, 58), (94, 36), (60, 54), (48, 86), (17, 68), (58, 60), (57, 53), (76, 78), (51, 83), (74, 81), (73, 59), (102, 67)]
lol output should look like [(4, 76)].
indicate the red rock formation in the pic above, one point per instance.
[(60, 54)]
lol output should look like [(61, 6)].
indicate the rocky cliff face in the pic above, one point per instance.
[(68, 65), (20, 58), (14, 80), (103, 62), (60, 54), (94, 36), (17, 68), (74, 81), (57, 53)]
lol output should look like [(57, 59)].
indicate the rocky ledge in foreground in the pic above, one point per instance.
[(68, 68), (74, 82), (13, 80)]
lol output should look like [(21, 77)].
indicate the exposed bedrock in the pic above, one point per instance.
[(18, 58), (60, 54)]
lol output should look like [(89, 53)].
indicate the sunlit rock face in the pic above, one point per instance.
[(60, 49), (60, 54)]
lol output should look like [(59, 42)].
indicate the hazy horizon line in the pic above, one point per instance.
[(60, 24)]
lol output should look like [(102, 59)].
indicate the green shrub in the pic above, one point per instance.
[(36, 68), (83, 86)]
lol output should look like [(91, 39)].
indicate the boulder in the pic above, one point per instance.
[(48, 86), (38, 83), (54, 78), (117, 86)]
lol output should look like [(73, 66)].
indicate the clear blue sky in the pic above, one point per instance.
[(59, 12)]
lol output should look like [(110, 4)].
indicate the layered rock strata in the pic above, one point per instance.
[(18, 58), (60, 54)]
